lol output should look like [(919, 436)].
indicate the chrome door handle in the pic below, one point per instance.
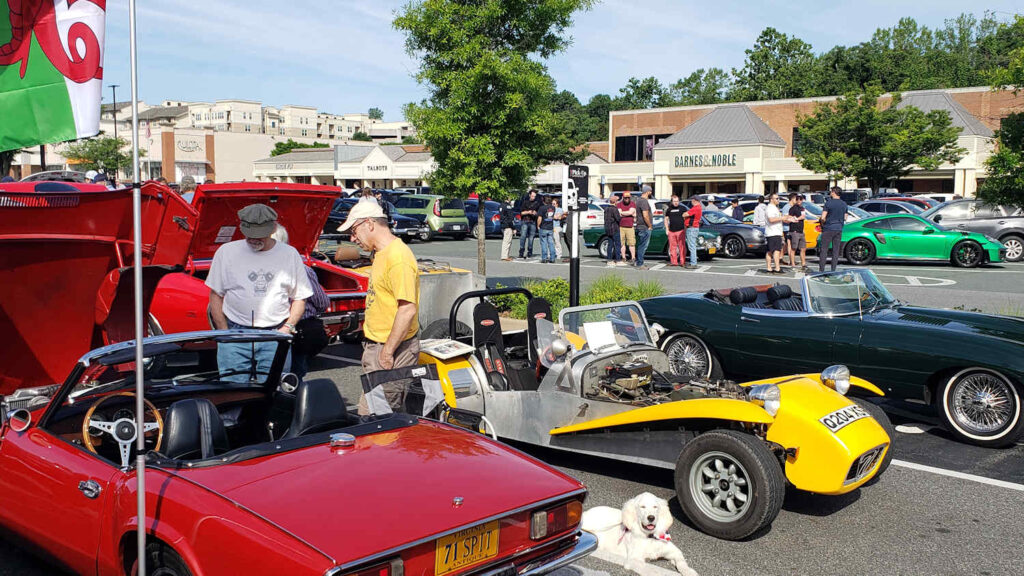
[(745, 319), (90, 488)]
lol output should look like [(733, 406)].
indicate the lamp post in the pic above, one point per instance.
[(117, 155)]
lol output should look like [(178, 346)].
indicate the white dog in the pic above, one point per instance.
[(638, 532)]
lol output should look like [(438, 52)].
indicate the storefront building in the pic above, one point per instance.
[(349, 166)]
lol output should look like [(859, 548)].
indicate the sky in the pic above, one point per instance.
[(344, 56)]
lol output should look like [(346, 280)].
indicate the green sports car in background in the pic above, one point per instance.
[(909, 237), (708, 243)]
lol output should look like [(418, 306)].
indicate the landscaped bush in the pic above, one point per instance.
[(609, 288)]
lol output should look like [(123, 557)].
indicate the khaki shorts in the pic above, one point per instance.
[(627, 236), (797, 241)]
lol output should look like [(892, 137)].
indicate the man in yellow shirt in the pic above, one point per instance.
[(392, 299)]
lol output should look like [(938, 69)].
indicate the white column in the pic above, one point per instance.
[(783, 187), (662, 187), (970, 183), (958, 182)]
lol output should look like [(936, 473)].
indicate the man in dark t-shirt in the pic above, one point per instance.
[(528, 223), (675, 228), (797, 242), (546, 225), (832, 219)]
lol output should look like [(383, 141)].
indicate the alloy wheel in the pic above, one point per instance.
[(968, 254), (688, 356), (733, 247), (720, 486), (982, 403), (1014, 249), (859, 252)]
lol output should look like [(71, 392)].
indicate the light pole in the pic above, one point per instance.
[(117, 155)]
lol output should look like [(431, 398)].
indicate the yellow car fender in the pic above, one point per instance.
[(705, 408), (854, 381), (443, 368)]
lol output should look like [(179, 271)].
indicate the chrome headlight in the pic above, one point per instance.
[(766, 396), (718, 241), (837, 378), (701, 241)]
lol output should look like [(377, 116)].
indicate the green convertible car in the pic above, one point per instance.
[(708, 243), (908, 237)]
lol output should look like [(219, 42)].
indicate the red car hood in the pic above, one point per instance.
[(390, 489), (301, 208), (63, 250)]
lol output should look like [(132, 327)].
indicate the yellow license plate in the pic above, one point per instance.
[(466, 547), (712, 250)]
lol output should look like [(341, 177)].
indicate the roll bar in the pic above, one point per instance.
[(452, 316)]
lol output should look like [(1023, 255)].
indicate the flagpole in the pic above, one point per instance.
[(140, 407)]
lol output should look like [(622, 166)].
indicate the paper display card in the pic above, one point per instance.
[(224, 235), (444, 348), (599, 334)]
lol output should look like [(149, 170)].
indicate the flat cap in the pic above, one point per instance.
[(257, 220)]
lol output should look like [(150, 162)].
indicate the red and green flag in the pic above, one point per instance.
[(51, 70)]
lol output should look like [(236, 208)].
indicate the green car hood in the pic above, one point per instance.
[(1004, 328)]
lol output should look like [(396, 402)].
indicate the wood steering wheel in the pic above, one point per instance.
[(123, 430)]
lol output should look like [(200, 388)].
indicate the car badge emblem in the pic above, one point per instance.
[(457, 501), (487, 322), (540, 315)]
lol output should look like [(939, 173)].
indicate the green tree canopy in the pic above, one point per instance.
[(857, 137), (489, 119), (639, 94), (376, 114), (700, 87), (289, 145), (360, 136), (778, 66), (1004, 183), (101, 153)]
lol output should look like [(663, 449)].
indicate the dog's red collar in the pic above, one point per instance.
[(666, 536)]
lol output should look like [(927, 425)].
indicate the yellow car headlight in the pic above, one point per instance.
[(766, 396), (837, 378)]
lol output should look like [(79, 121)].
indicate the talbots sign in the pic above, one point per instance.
[(704, 160)]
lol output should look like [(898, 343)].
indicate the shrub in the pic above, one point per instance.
[(610, 288)]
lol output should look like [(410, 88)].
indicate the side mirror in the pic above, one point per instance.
[(657, 330), (289, 383), (937, 218), (19, 419)]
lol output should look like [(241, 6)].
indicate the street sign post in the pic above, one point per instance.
[(576, 197)]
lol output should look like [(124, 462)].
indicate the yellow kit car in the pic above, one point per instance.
[(597, 383)]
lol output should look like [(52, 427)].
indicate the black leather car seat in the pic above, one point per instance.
[(782, 298), (536, 308), (746, 297), (490, 345), (194, 430), (319, 407)]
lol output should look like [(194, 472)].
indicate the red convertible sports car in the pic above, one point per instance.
[(242, 477), (181, 300)]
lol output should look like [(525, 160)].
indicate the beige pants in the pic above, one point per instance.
[(558, 244), (506, 242), (407, 354)]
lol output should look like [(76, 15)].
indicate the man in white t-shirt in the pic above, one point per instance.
[(773, 233), (258, 283)]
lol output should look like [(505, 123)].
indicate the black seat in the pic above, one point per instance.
[(746, 297), (194, 430), (490, 345), (318, 407), (782, 298), (536, 309)]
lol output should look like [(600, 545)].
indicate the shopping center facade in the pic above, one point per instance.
[(744, 147)]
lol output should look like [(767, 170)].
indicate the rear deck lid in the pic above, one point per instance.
[(301, 208)]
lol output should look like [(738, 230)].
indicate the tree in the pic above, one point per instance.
[(376, 114), (289, 145), (700, 87), (489, 119), (598, 108), (102, 153), (857, 137), (777, 67), (641, 94), (1004, 183), (6, 160), (361, 136), (412, 140)]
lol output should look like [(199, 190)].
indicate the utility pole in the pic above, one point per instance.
[(117, 155)]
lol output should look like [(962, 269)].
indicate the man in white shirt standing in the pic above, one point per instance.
[(773, 233), (259, 283)]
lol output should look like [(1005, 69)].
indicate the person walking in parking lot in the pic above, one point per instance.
[(675, 229), (693, 216), (557, 231), (627, 232), (833, 217), (759, 219), (546, 226), (737, 212), (528, 223), (773, 233), (508, 224), (611, 229), (643, 224)]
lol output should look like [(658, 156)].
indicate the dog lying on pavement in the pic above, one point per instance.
[(638, 532)]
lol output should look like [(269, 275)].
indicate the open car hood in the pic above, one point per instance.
[(301, 208), (65, 282), (412, 472)]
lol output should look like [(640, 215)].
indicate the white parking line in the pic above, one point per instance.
[(960, 475), (340, 359)]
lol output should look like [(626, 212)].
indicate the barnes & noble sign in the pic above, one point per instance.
[(704, 160)]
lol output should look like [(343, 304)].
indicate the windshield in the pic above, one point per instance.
[(858, 212), (847, 292), (931, 211), (607, 326), (185, 363), (719, 218)]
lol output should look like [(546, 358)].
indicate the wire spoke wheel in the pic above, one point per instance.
[(720, 486), (982, 403), (689, 357)]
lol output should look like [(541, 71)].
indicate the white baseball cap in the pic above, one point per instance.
[(361, 211)]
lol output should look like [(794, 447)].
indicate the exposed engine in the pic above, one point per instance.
[(637, 383)]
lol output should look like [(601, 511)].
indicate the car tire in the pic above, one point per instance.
[(995, 424), (733, 246), (1014, 247), (967, 254), (604, 245), (426, 236), (473, 232), (715, 462), (860, 252), (883, 419), (162, 561), (689, 355), (439, 329)]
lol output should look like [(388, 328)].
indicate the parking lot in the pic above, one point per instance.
[(942, 508)]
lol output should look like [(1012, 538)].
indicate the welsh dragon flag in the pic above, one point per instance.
[(51, 70)]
